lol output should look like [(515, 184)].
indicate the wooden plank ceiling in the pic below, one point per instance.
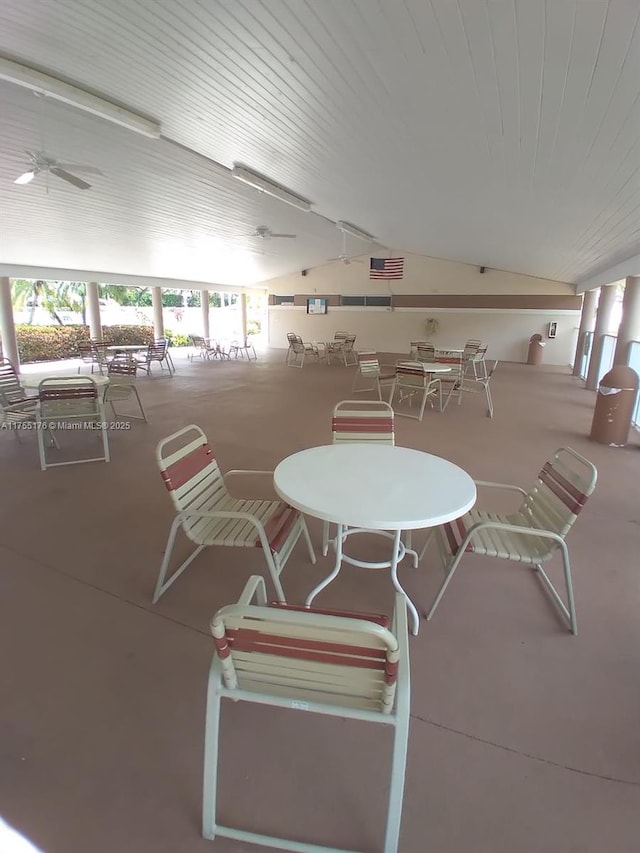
[(502, 133)]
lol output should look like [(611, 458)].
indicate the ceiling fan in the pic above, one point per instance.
[(343, 257), (42, 162), (265, 233)]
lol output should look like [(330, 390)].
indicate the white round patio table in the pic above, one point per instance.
[(127, 347), (32, 381), (369, 488)]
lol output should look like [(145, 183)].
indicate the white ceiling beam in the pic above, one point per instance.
[(617, 272), (59, 274)]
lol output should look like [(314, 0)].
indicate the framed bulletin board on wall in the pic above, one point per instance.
[(317, 306)]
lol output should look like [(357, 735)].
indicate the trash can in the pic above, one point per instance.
[(614, 406), (536, 349)]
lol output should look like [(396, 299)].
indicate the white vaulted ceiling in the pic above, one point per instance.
[(502, 133)]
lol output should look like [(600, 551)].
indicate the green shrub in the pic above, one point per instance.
[(177, 339), (128, 334), (49, 343), (253, 327)]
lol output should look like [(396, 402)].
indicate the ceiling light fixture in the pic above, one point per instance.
[(264, 185), (51, 87), (346, 228)]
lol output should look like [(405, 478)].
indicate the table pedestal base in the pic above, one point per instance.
[(398, 553)]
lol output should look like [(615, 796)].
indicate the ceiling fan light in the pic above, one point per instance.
[(25, 178)]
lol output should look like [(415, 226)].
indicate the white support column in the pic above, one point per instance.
[(630, 323), (243, 318), (7, 324), (603, 318), (587, 324), (158, 322), (204, 305), (93, 311)]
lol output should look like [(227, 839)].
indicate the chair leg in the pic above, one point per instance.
[(161, 585), (325, 538), (305, 533), (211, 740), (570, 612), (396, 788), (450, 569), (489, 400), (105, 443)]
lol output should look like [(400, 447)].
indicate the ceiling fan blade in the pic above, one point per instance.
[(77, 167), (289, 236), (71, 179)]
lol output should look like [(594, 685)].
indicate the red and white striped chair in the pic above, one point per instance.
[(209, 515), (534, 533), (347, 665), (371, 373), (358, 421), (469, 384), (414, 380), (425, 352), (70, 403)]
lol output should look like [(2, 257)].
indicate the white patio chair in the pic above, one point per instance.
[(468, 384), (122, 376), (16, 409), (425, 352), (341, 347), (73, 405), (168, 356), (346, 665), (155, 352), (246, 349), (359, 421), (531, 535), (298, 351), (371, 374), (210, 515), (413, 380)]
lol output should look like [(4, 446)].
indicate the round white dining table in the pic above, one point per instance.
[(31, 382), (374, 488)]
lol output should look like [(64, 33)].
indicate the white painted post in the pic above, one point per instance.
[(7, 324), (158, 321)]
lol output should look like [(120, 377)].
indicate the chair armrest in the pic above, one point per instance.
[(511, 528), (507, 486), (254, 588), (263, 486)]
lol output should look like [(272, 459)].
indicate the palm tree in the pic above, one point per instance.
[(34, 293)]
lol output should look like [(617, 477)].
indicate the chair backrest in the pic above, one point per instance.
[(292, 337), (425, 351), (561, 490), (123, 366), (368, 363), (412, 374), (68, 397), (349, 341), (197, 340), (296, 344), (455, 362), (10, 389), (358, 421), (341, 336), (87, 352), (190, 472), (157, 350), (342, 660)]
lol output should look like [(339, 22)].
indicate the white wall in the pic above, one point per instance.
[(507, 332)]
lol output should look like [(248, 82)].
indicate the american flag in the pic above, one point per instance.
[(387, 268)]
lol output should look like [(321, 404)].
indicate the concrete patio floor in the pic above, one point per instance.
[(523, 737)]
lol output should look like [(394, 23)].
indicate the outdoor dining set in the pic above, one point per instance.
[(300, 655)]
